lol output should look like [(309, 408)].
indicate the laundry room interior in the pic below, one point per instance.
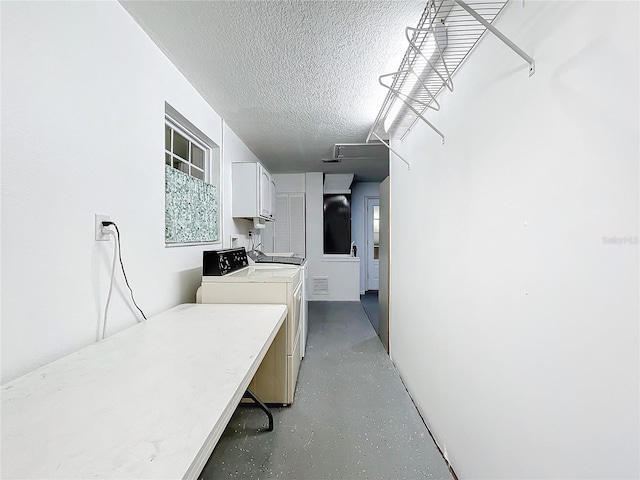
[(388, 239)]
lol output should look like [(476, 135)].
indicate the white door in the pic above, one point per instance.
[(373, 242)]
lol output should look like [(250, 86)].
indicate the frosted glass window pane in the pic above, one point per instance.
[(191, 203), (180, 145), (197, 157), (191, 209)]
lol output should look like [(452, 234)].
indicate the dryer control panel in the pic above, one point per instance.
[(221, 262)]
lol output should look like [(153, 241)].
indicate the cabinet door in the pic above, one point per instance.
[(274, 204), (281, 237), (297, 231), (295, 307), (265, 193), (293, 368)]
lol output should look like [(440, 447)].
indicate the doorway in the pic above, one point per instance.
[(372, 263)]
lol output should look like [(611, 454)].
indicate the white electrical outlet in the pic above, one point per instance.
[(100, 237)]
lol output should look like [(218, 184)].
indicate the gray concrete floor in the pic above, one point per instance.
[(351, 417), (369, 302)]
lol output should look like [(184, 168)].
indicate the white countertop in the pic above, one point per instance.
[(148, 402)]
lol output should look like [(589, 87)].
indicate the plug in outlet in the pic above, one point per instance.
[(100, 237)]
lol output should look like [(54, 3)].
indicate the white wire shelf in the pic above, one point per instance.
[(446, 33)]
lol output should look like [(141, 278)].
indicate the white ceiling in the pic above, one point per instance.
[(291, 78)]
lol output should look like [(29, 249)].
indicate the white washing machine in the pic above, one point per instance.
[(275, 381), (304, 314)]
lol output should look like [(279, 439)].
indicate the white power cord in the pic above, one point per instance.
[(108, 231)]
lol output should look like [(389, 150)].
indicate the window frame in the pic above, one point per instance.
[(213, 171), (175, 126)]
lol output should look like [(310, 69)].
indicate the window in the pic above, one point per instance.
[(192, 183), (185, 152), (376, 232), (337, 224)]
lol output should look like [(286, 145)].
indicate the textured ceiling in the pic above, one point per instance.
[(291, 78)]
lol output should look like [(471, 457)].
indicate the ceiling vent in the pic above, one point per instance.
[(337, 183)]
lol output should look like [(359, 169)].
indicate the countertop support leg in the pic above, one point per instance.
[(263, 407)]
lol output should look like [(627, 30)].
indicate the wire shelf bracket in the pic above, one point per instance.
[(392, 150)]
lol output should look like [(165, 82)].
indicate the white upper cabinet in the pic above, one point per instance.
[(253, 191)]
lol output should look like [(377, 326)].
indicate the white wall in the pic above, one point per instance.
[(359, 193), (83, 95), (289, 182), (343, 275), (516, 328)]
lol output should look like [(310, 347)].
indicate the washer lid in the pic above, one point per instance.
[(264, 271)]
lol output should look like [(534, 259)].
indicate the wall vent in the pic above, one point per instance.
[(320, 285)]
